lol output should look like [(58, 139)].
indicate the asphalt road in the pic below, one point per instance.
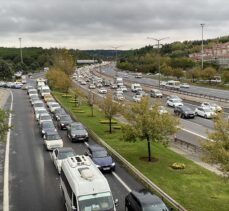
[(34, 182), (193, 89)]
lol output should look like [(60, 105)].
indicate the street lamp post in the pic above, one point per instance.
[(20, 49), (202, 46), (116, 56), (158, 47)]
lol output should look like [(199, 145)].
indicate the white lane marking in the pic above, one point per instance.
[(121, 181), (204, 137), (6, 163)]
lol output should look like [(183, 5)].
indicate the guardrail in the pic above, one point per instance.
[(210, 97)]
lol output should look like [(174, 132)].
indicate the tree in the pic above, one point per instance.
[(110, 108), (226, 76), (64, 61), (208, 73), (194, 74), (178, 72), (58, 80), (148, 124), (3, 123), (218, 144), (166, 70), (6, 71)]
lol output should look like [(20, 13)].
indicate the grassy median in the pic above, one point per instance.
[(194, 187)]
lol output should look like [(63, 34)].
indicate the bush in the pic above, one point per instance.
[(178, 166), (117, 127)]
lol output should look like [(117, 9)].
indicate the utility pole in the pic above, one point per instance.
[(202, 46), (20, 49), (115, 48), (158, 48)]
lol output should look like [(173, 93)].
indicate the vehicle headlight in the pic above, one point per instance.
[(43, 131), (98, 166), (113, 164), (73, 134), (62, 124), (86, 133)]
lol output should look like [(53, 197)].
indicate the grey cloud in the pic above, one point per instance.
[(108, 19)]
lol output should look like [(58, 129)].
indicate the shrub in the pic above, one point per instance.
[(178, 166)]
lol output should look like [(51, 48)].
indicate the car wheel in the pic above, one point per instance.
[(182, 116)]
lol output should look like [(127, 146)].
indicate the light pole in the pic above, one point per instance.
[(20, 49), (202, 46), (158, 47), (115, 48)]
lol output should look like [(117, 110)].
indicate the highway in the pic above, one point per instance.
[(34, 182), (149, 81)]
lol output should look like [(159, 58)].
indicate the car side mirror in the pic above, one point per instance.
[(116, 202), (86, 154)]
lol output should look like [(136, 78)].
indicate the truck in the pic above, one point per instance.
[(23, 79), (136, 87), (118, 81)]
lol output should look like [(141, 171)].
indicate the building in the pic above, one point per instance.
[(218, 53)]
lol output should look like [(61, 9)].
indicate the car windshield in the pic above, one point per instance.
[(207, 110), (176, 101), (77, 127), (100, 154), (100, 201), (155, 207), (48, 126), (33, 92), (37, 105), (55, 105), (65, 118), (63, 155), (52, 137), (45, 117)]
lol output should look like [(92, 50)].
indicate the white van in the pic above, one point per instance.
[(84, 186), (45, 91), (136, 87)]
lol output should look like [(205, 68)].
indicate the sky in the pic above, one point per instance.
[(107, 24)]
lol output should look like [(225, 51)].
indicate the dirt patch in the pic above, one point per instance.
[(146, 159)]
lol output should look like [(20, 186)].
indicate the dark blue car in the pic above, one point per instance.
[(100, 157)]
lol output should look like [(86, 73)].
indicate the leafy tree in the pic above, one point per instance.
[(64, 61), (58, 80), (166, 70), (3, 123), (110, 108), (194, 74), (218, 144), (148, 124), (226, 76), (178, 72), (6, 71), (208, 73)]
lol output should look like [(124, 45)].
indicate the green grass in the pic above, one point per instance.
[(194, 187)]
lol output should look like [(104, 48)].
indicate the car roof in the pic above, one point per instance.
[(96, 147), (145, 197)]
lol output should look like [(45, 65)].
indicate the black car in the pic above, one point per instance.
[(143, 200), (64, 121), (77, 132), (58, 112), (47, 126), (184, 112), (100, 157)]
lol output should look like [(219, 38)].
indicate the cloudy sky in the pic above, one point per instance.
[(102, 24)]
